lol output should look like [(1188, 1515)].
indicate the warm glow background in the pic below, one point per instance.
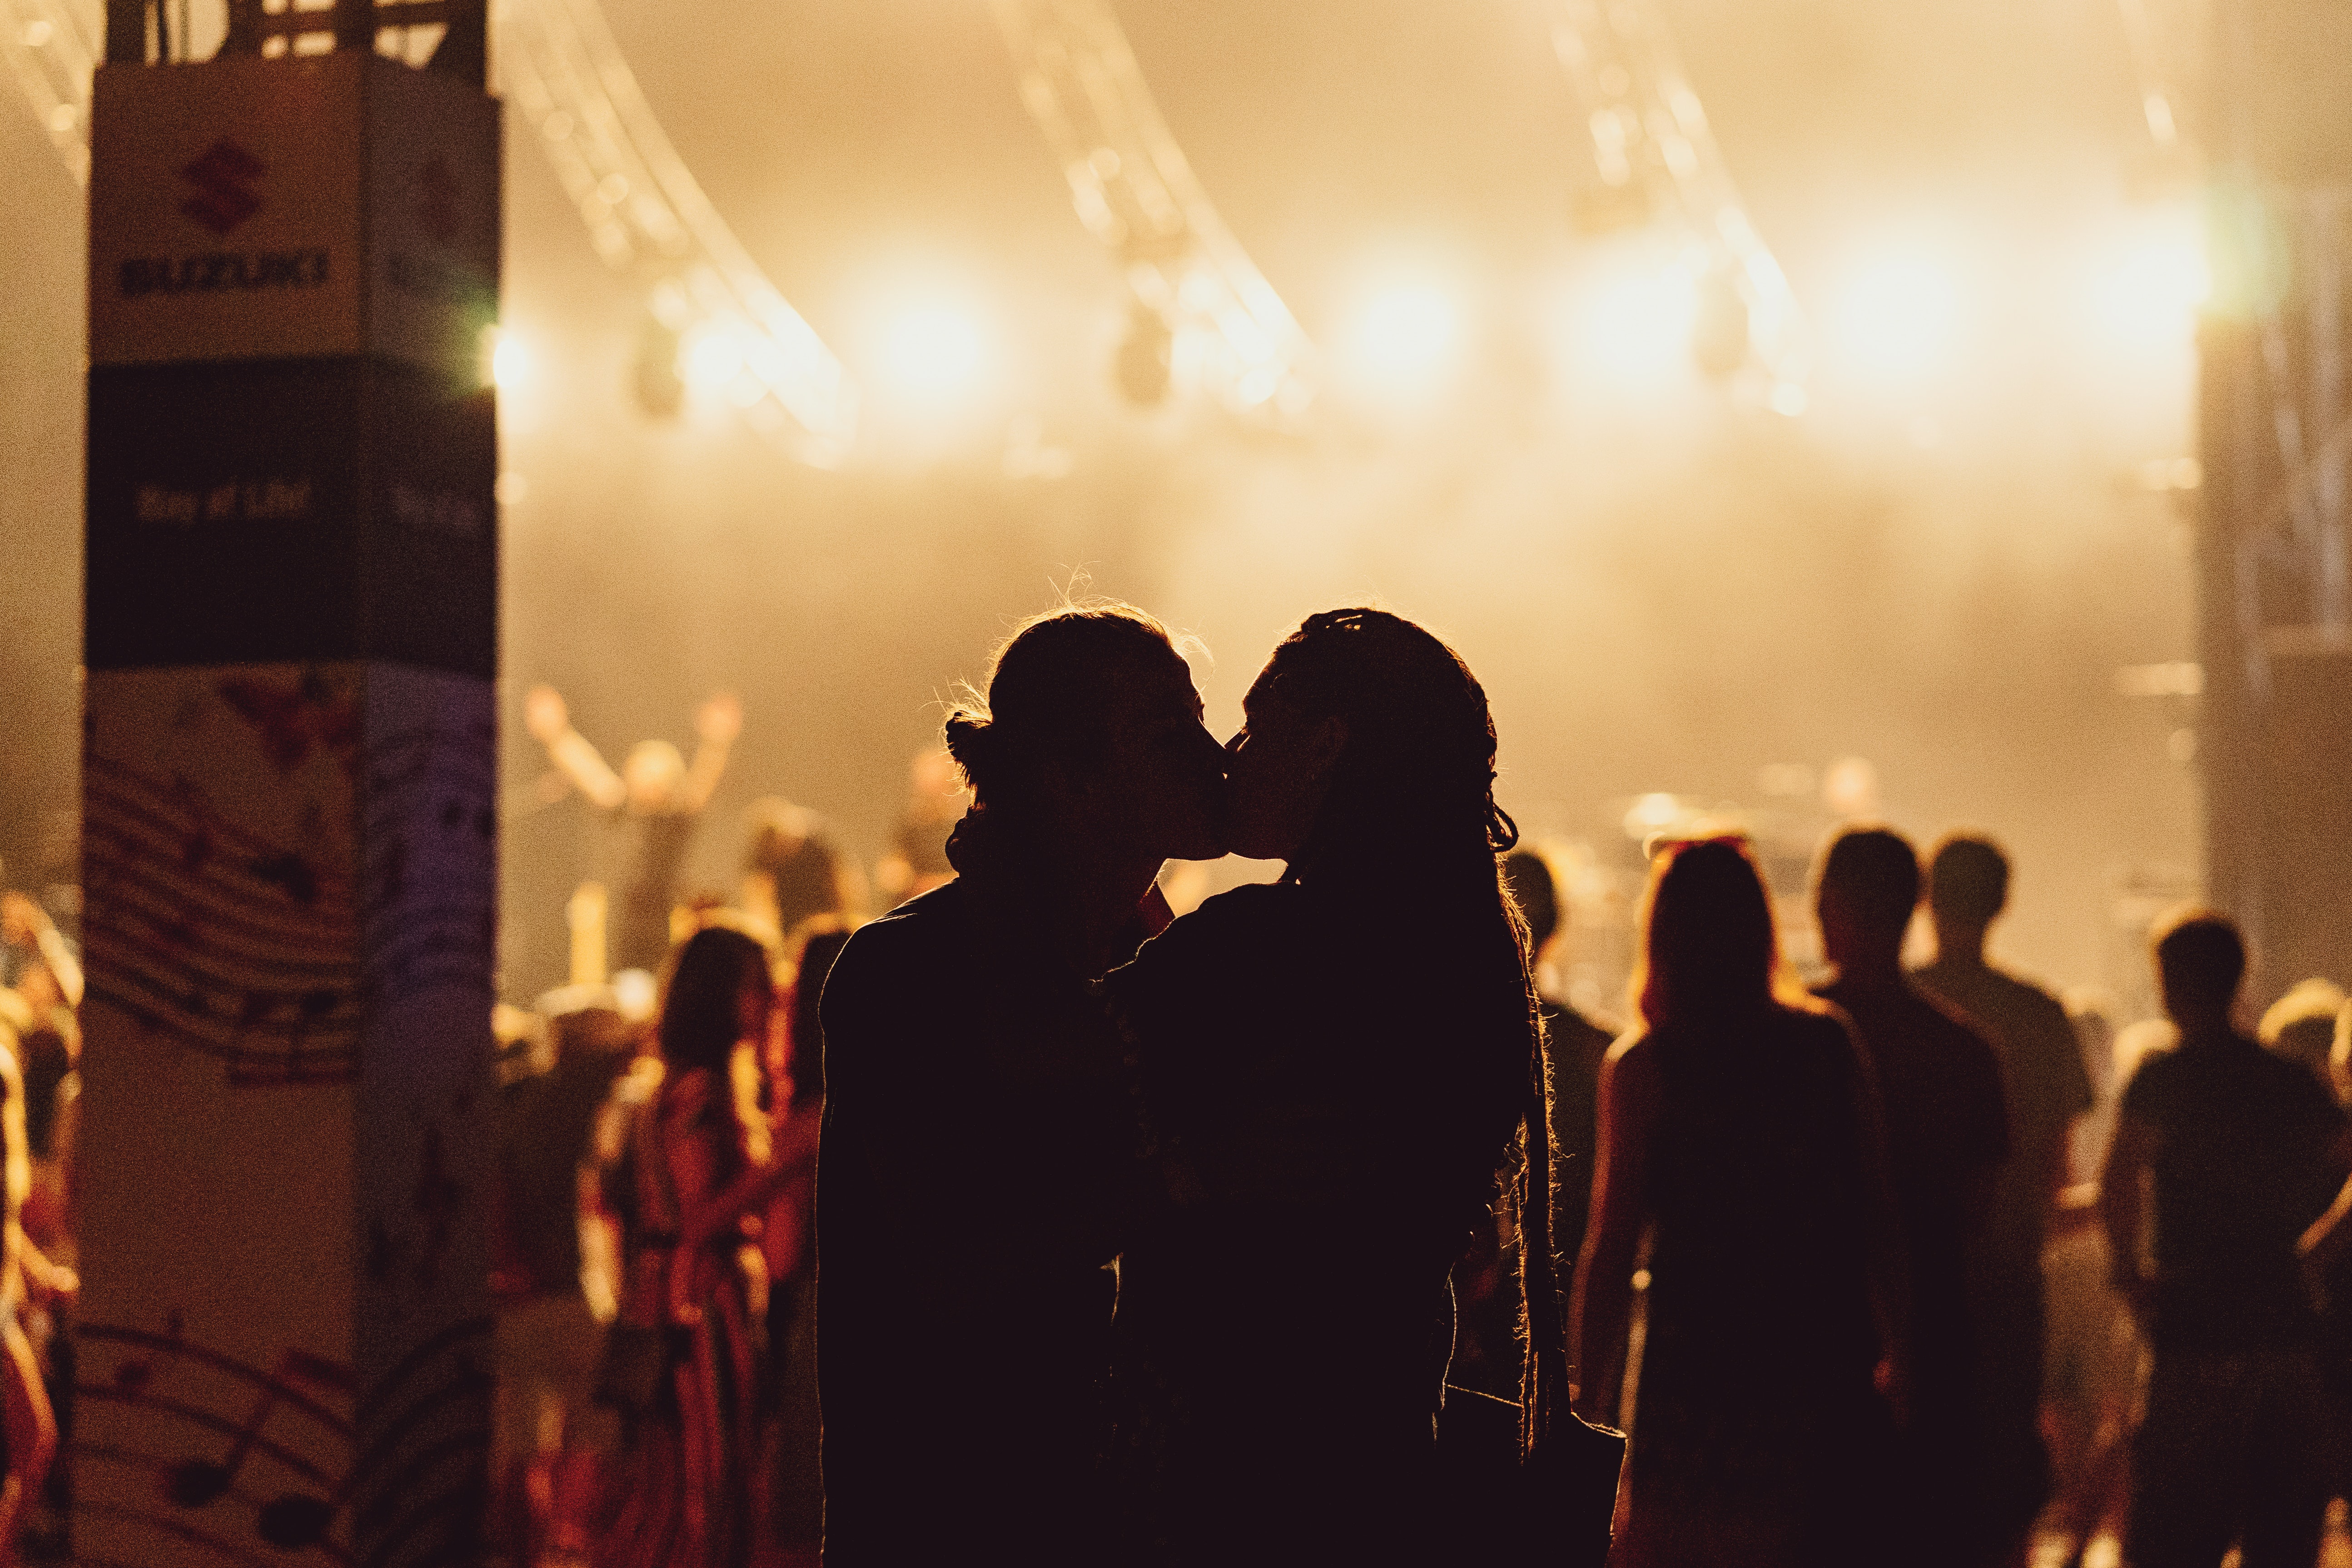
[(1939, 566)]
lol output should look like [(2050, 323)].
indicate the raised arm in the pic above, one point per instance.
[(716, 725), (25, 924), (2331, 1233), (1601, 1312), (545, 715)]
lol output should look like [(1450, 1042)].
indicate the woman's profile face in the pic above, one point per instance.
[(1278, 767)]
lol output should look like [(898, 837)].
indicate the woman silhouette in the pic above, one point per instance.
[(1738, 1127), (1333, 1069), (697, 1163)]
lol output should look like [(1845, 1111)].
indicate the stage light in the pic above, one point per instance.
[(932, 353), (1896, 314), (509, 366), (1636, 326), (2150, 292), (1404, 337), (711, 359)]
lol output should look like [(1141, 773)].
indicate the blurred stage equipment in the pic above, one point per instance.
[(2158, 102), (2275, 541), (649, 219), (1226, 329), (52, 45), (288, 784), (1655, 161), (644, 213)]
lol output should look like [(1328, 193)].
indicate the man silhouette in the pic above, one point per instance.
[(2241, 1151), (979, 1133), (2048, 1088), (1946, 1136)]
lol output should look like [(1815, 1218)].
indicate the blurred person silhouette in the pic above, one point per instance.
[(798, 884), (550, 1443), (1335, 1069), (2048, 1088), (794, 873), (46, 983), (681, 1360), (2092, 1010), (978, 1131), (2090, 1364), (51, 1060), (1946, 1133), (43, 968), (2300, 1028), (656, 795), (28, 1431), (2339, 1056), (937, 795), (2328, 1269), (2239, 1151), (1738, 1128), (1575, 1046)]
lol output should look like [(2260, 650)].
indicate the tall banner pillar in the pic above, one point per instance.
[(290, 821)]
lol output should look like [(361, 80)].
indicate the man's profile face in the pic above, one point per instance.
[(1164, 774)]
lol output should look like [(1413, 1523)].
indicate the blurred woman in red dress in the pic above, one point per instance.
[(698, 1162)]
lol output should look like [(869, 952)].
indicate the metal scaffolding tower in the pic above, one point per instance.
[(2275, 594)]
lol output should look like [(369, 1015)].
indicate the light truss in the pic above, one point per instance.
[(1656, 157), (648, 217), (52, 46), (1135, 192), (645, 212)]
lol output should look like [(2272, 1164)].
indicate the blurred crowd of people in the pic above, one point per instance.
[(1916, 1264), (1896, 1261), (653, 1248), (40, 1084)]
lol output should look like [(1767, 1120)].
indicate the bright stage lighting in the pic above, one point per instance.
[(509, 366), (2150, 291), (1403, 338), (932, 353), (1636, 326), (710, 360), (1896, 314)]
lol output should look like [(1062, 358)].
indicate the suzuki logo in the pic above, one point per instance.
[(224, 196)]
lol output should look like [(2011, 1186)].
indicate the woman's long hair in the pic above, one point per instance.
[(1415, 784), (1708, 948), (702, 1015), (1409, 823)]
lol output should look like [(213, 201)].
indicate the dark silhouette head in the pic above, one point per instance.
[(719, 992), (590, 1032), (1529, 878), (1367, 743), (1091, 726), (794, 847), (1868, 887), (1968, 882), (1708, 948), (2201, 961)]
